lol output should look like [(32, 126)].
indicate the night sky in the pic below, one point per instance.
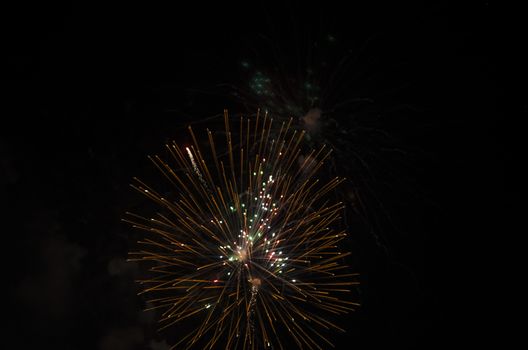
[(92, 89)]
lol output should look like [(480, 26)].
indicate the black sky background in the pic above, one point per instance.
[(91, 89)]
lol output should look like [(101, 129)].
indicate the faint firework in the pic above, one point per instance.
[(336, 89)]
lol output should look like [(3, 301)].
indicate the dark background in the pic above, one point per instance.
[(91, 89)]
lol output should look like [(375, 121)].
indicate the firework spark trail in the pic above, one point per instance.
[(255, 285), (195, 168), (247, 249)]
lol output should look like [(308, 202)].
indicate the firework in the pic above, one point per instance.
[(246, 247), (336, 88)]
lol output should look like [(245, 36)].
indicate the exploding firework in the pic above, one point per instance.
[(246, 246)]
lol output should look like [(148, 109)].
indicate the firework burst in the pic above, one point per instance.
[(246, 247)]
